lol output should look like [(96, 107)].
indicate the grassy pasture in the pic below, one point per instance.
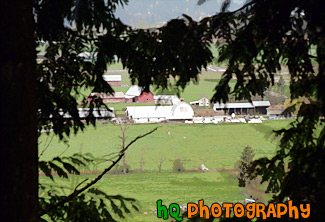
[(217, 146), (147, 188)]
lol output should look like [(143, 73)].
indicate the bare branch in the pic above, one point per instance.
[(78, 191)]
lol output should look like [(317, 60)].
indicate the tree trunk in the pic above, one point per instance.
[(18, 122)]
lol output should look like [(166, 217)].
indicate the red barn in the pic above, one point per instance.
[(136, 94), (146, 97)]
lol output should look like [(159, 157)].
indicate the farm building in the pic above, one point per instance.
[(113, 80), (202, 102), (166, 99), (256, 107), (260, 106), (275, 111), (180, 111), (136, 94), (117, 97), (98, 113)]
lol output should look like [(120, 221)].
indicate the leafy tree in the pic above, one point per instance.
[(245, 163), (259, 38)]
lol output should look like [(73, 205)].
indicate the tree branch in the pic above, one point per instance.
[(78, 191)]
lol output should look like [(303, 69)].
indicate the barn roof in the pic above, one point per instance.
[(112, 78), (232, 105), (261, 103), (241, 105), (133, 91)]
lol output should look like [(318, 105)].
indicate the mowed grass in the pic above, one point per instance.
[(147, 188), (216, 146)]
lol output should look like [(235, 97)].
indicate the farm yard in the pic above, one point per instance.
[(150, 175), (218, 147)]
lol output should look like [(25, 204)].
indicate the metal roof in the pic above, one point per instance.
[(111, 78), (232, 105), (261, 103), (241, 105), (133, 91)]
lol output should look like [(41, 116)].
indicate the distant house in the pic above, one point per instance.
[(180, 111), (117, 97), (275, 111), (166, 99), (136, 94), (202, 102), (256, 107), (113, 80)]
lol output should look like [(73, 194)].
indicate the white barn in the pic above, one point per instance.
[(180, 111)]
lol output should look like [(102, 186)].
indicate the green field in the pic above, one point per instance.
[(217, 146), (147, 188)]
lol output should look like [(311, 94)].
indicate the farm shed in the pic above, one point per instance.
[(260, 106), (256, 107), (153, 114), (275, 111), (113, 80), (117, 97), (202, 102), (136, 94)]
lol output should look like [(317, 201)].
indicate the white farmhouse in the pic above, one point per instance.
[(202, 102)]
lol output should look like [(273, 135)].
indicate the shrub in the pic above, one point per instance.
[(178, 166)]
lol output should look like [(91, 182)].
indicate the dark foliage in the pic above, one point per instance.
[(245, 163)]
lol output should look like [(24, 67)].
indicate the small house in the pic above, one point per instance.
[(275, 111), (202, 102)]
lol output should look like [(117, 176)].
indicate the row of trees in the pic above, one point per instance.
[(257, 40)]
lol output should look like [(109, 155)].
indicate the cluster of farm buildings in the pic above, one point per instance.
[(169, 108)]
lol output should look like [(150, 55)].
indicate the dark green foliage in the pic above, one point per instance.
[(178, 166), (246, 160), (258, 39), (92, 205)]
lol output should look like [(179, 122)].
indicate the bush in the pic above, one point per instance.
[(178, 166)]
